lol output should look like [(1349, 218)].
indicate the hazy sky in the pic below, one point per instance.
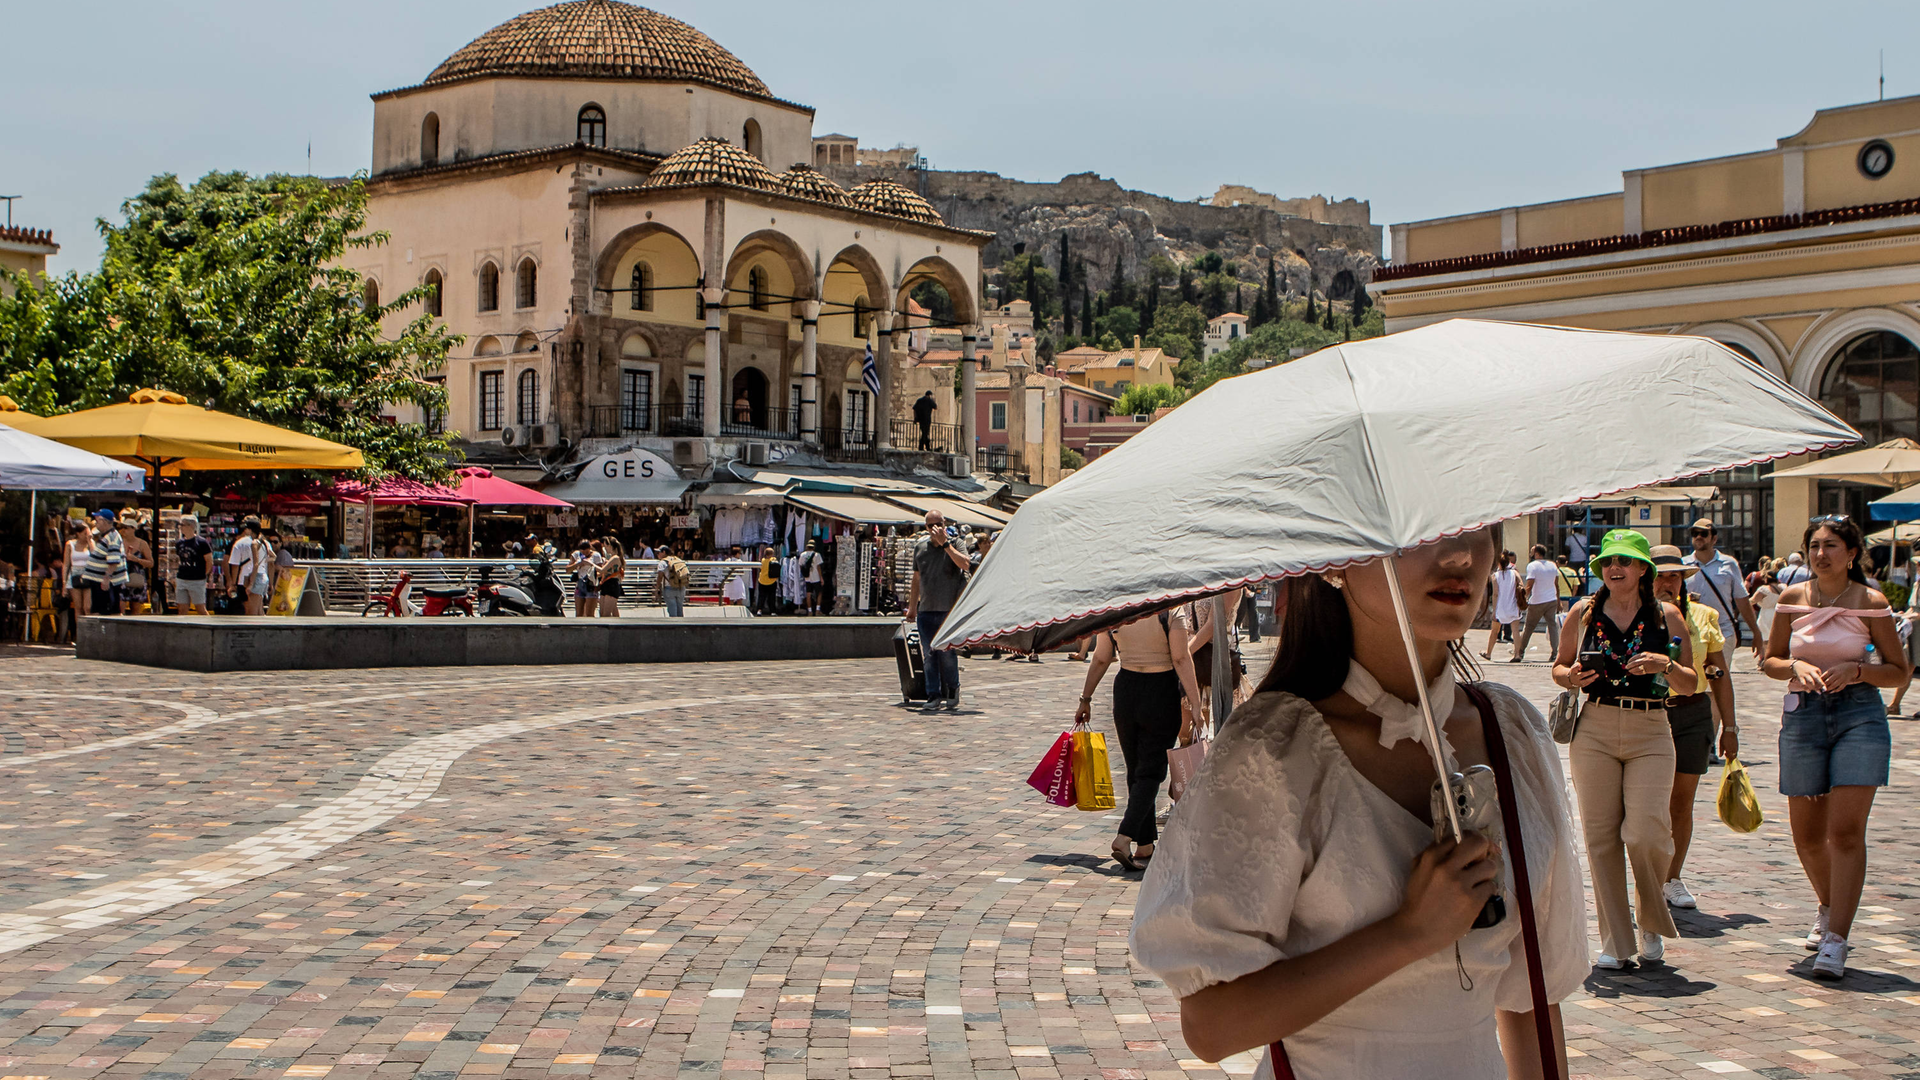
[(1425, 108)]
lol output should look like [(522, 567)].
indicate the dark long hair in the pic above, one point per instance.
[(1316, 642), (1849, 534)]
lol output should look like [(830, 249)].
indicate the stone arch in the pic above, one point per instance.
[(776, 250), (637, 344), (675, 266), (959, 290), (430, 139), (1762, 347), (853, 274), (1824, 340)]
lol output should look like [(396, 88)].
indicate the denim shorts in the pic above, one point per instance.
[(1834, 740)]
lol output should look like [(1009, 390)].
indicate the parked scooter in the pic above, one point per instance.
[(533, 591)]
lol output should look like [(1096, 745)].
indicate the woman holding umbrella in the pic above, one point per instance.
[(1300, 897), (1622, 757), (1840, 647)]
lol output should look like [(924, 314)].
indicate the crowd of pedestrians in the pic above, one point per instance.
[(1301, 900)]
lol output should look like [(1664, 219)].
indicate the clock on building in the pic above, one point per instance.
[(1876, 159)]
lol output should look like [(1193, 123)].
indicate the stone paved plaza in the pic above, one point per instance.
[(703, 869)]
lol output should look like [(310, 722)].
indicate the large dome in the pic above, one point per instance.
[(601, 39)]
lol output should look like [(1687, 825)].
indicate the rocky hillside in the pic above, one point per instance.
[(1104, 221)]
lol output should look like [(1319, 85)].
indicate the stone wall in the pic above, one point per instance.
[(1313, 207), (1104, 222)]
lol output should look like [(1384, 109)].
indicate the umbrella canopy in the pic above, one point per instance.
[(29, 462), (1899, 506), (486, 489), (162, 431), (1894, 463), (10, 411), (1366, 449), (398, 491)]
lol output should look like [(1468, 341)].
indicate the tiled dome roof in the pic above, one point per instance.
[(806, 182), (601, 39), (887, 197), (713, 161)]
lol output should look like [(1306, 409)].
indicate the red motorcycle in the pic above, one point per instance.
[(440, 601)]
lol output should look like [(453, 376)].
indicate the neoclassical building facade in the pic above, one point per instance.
[(617, 216), (1804, 257)]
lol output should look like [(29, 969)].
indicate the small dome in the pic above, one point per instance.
[(601, 39), (713, 161), (806, 182), (887, 197)]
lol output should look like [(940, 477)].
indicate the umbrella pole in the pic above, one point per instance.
[(33, 537), (1434, 744)]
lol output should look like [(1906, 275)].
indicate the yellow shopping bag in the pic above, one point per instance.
[(1739, 803), (1092, 779)]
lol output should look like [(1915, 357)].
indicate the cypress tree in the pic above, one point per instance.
[(1066, 288), (1186, 285), (1312, 313), (1119, 289), (1361, 301), (1086, 309), (1238, 300)]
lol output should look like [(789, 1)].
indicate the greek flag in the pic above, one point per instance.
[(871, 372)]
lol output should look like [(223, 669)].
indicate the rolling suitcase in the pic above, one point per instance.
[(907, 656)]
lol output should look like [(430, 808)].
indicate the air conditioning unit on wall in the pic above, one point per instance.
[(527, 435), (689, 452), (958, 466), (757, 453)]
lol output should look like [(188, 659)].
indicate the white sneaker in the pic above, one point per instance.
[(1652, 948), (1677, 895), (1609, 962), (1818, 934), (1831, 963)]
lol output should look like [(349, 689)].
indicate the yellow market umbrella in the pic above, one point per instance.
[(11, 411), (160, 430)]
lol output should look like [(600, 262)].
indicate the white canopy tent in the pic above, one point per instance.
[(33, 464)]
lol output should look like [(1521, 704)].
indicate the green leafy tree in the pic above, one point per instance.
[(1179, 328), (1139, 400), (231, 293), (1121, 322), (1209, 262), (1071, 458), (1108, 342), (1038, 285), (49, 332)]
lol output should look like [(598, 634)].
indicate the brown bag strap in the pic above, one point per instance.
[(1529, 925), (1529, 928)]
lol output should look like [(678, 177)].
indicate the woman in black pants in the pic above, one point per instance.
[(1155, 667)]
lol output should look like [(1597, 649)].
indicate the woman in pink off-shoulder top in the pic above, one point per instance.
[(1835, 746)]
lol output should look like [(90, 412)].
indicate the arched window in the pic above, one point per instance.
[(750, 139), (370, 298), (526, 284), (489, 287), (1872, 384), (757, 289), (433, 282), (641, 298), (591, 128), (430, 139), (527, 402), (526, 342)]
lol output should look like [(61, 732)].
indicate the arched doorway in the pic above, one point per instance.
[(1872, 383), (747, 408)]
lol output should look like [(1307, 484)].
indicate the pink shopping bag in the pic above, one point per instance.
[(1183, 762), (1054, 776)]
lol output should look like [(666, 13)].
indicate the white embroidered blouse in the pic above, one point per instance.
[(1281, 847)]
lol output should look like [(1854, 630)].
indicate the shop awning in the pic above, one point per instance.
[(627, 491), (741, 495), (956, 511), (856, 508)]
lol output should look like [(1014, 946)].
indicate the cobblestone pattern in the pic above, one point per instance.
[(749, 869)]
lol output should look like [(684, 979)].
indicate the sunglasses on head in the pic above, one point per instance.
[(1621, 561), (1830, 519)]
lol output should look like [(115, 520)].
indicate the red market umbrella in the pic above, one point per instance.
[(395, 491), (486, 489)]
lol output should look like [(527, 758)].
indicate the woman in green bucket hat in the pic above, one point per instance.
[(1622, 757)]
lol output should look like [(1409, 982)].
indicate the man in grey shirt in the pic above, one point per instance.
[(939, 573)]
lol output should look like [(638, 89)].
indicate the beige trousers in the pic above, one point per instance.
[(1622, 762)]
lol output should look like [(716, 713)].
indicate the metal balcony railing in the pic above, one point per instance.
[(940, 438), (614, 421), (751, 423), (999, 459)]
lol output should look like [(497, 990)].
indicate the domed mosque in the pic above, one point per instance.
[(605, 204)]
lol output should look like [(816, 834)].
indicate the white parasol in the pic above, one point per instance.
[(35, 464), (1367, 449)]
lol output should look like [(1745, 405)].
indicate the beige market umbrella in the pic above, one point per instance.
[(1894, 463)]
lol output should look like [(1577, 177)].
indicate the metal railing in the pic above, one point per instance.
[(941, 438), (613, 421), (848, 444), (346, 585), (760, 423), (998, 459)]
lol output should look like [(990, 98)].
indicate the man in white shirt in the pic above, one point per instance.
[(248, 566), (1720, 585), (1542, 588)]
